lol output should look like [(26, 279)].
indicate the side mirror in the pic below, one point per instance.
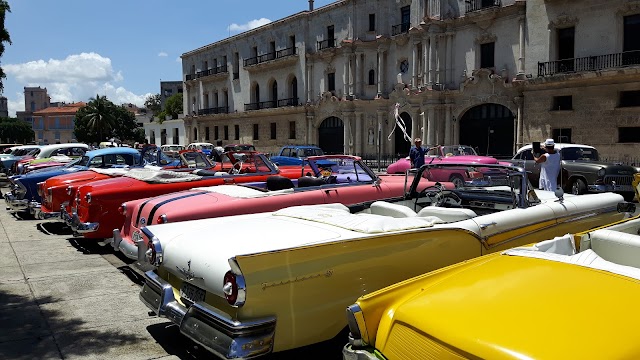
[(626, 207), (377, 182), (559, 194)]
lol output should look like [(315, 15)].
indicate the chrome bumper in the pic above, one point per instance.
[(349, 353), (129, 249), (36, 210), (610, 188), (73, 221), (207, 326), (14, 204)]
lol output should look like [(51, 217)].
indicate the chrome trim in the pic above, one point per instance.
[(116, 240), (129, 249), (355, 336), (14, 204), (157, 247), (211, 328), (82, 228), (240, 283), (349, 353), (45, 216)]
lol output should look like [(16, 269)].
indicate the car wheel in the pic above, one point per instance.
[(457, 180), (578, 187)]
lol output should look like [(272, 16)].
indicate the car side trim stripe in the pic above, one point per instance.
[(158, 205)]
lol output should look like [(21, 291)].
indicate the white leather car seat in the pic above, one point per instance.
[(389, 209), (614, 246), (447, 214)]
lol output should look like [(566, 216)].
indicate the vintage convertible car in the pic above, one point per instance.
[(492, 307), (60, 190), (280, 280), (17, 153), (24, 194), (355, 184), (582, 171), (439, 153), (56, 152), (95, 213)]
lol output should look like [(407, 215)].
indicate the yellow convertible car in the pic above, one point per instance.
[(572, 297), (247, 285)]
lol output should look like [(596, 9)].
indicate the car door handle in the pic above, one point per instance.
[(327, 191), (485, 226)]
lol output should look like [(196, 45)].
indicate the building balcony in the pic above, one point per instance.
[(288, 102), (275, 59), (326, 44), (400, 29), (589, 63), (214, 110), (478, 5), (272, 104)]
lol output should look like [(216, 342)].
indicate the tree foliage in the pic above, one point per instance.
[(153, 103), (101, 120), (15, 130), (4, 36), (172, 107)]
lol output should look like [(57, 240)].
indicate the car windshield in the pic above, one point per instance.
[(458, 150), (579, 153), (345, 169), (302, 153), (241, 148), (206, 147)]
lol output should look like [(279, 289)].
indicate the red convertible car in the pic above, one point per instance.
[(335, 179), (95, 214), (60, 190)]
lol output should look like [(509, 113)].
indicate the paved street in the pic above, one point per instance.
[(67, 298)]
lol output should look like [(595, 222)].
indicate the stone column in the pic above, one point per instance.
[(439, 53), (200, 97), (522, 45), (456, 130), (447, 125), (425, 60), (352, 75), (345, 87), (448, 72), (519, 100), (347, 133), (431, 128), (425, 126), (358, 75), (357, 138), (380, 69), (379, 138), (309, 82), (432, 59), (414, 66), (310, 137), (416, 123)]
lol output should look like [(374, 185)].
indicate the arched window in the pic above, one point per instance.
[(372, 77)]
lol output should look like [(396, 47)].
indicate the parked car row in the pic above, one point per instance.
[(251, 257)]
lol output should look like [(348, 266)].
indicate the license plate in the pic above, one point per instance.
[(191, 293)]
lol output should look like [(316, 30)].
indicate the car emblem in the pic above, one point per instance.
[(188, 274), (136, 237), (143, 221)]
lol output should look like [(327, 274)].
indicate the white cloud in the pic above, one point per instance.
[(76, 78), (248, 26), (163, 54)]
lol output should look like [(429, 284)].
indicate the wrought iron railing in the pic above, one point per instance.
[(191, 77), (260, 105), (214, 110), (589, 63), (400, 28), (286, 52), (326, 44), (288, 102), (477, 5)]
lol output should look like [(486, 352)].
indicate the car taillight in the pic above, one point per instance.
[(69, 190), (122, 209), (230, 287), (162, 219), (40, 188), (88, 198)]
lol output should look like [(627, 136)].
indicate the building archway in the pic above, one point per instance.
[(402, 146), (489, 129), (331, 135)]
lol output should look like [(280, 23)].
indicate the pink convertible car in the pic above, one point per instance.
[(450, 153)]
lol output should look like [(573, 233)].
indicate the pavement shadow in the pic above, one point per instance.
[(54, 228), (26, 331), (90, 246), (23, 216)]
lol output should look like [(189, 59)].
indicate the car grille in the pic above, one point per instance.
[(408, 344), (619, 179)]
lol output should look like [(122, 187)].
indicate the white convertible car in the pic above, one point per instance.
[(247, 285)]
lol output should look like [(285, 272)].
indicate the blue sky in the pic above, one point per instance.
[(118, 48)]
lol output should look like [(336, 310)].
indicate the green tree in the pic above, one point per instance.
[(14, 130), (4, 36), (101, 120), (101, 116), (153, 103), (172, 107), (127, 128)]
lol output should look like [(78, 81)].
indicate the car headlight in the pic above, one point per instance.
[(601, 172)]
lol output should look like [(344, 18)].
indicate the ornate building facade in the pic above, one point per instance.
[(494, 74)]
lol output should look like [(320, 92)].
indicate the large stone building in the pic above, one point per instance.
[(169, 131), (494, 74), (55, 124)]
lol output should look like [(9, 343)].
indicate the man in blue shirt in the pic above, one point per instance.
[(417, 154)]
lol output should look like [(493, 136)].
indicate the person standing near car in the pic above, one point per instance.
[(417, 153), (550, 163)]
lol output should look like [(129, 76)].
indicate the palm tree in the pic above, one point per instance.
[(4, 36), (101, 115)]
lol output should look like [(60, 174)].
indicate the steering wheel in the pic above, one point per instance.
[(236, 168), (434, 193)]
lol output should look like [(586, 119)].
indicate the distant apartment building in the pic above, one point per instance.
[(168, 131), (168, 89), (35, 98), (493, 74), (55, 124)]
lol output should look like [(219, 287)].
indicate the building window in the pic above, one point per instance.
[(216, 133), (33, 106), (487, 54), (331, 36), (562, 103), (226, 132), (57, 136), (631, 40), (236, 129), (206, 133), (292, 129), (331, 81), (273, 131), (256, 132), (562, 135), (372, 77), (176, 138), (372, 22), (630, 98), (195, 134), (629, 134)]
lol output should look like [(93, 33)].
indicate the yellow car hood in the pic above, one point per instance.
[(521, 308)]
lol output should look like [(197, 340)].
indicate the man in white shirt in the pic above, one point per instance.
[(550, 163)]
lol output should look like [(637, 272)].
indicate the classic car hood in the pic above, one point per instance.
[(525, 308), (611, 168)]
